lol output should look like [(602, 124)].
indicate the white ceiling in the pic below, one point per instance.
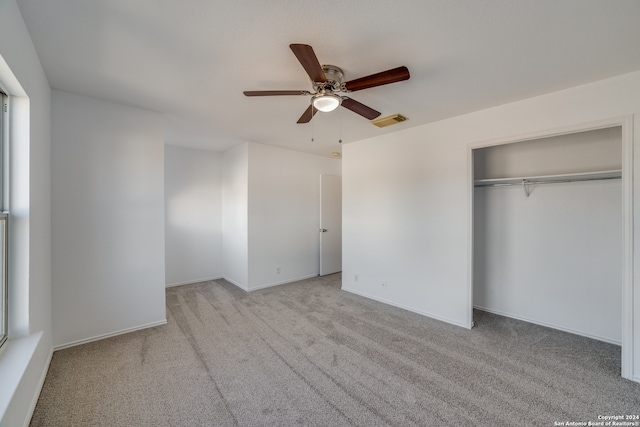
[(191, 59)]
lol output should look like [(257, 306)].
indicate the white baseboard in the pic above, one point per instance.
[(36, 396), (269, 285), (233, 282), (404, 307), (191, 282), (109, 335), (284, 282), (548, 325)]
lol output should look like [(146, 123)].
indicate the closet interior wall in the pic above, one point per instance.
[(552, 256)]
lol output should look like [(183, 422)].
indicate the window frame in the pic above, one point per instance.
[(4, 218)]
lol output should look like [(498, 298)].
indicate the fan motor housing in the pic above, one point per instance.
[(334, 76)]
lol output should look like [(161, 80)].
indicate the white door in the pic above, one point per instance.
[(330, 224)]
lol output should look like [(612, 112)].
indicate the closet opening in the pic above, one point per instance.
[(549, 217)]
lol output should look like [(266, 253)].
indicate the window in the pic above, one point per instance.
[(3, 218)]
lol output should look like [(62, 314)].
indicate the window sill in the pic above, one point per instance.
[(15, 357)]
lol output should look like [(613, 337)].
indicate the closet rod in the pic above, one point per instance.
[(550, 179), (529, 181)]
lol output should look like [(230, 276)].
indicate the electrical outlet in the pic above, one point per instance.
[(278, 270), (355, 277)]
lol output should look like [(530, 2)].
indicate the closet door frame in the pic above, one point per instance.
[(626, 124)]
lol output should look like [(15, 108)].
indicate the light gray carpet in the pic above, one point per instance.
[(308, 353)]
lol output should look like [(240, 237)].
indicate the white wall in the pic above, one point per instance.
[(30, 329), (235, 193), (271, 214), (284, 213), (107, 218), (407, 198), (193, 215), (404, 222)]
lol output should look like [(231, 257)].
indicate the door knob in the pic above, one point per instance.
[(324, 230)]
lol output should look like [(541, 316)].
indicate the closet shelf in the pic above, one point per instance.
[(550, 179)]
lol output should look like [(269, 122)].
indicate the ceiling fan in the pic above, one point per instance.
[(327, 83)]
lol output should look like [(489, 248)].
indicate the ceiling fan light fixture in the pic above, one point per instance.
[(327, 82), (326, 102)]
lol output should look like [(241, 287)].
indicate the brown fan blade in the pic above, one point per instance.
[(275, 92), (378, 79), (309, 61), (359, 108), (307, 115)]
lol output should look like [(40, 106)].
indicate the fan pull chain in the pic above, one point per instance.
[(340, 125), (312, 126)]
